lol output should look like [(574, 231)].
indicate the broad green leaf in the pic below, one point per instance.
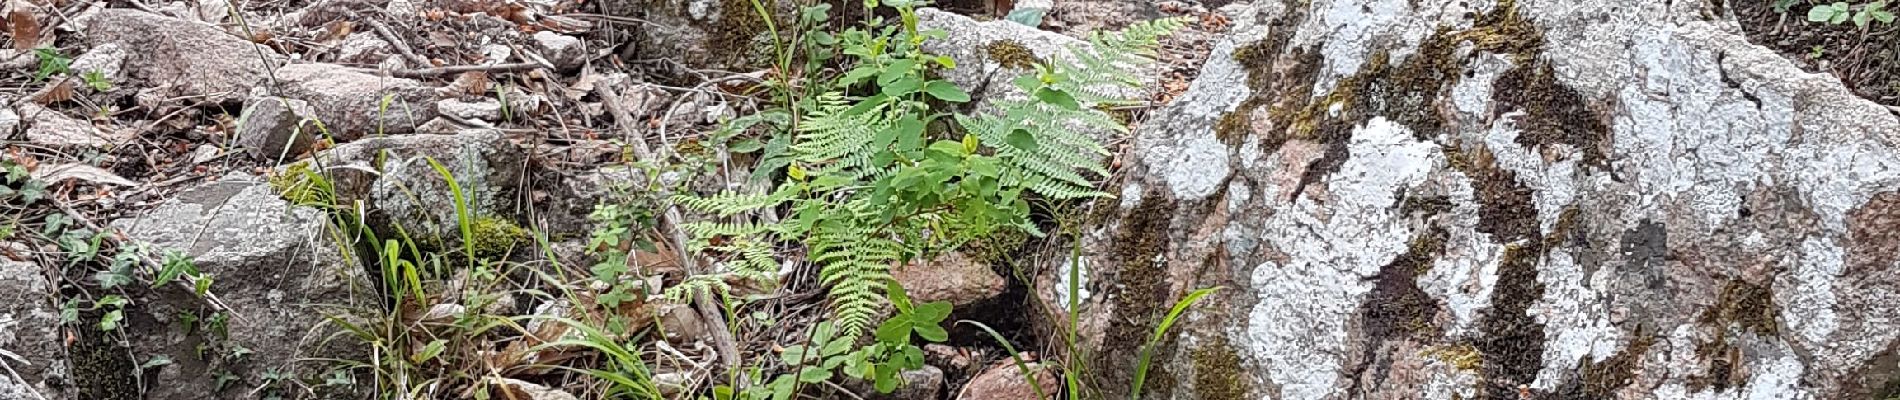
[(932, 312), (1883, 16), (946, 91), (1022, 139), (897, 69), (1820, 13), (110, 321), (813, 375), (746, 146), (903, 86), (931, 332), (429, 351), (1028, 16), (946, 62), (1058, 98), (793, 355), (895, 330), (899, 298)]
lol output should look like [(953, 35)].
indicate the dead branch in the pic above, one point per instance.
[(722, 338)]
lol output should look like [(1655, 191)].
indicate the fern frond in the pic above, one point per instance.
[(728, 203), (708, 229)]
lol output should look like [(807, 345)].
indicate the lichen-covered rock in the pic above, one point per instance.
[(1584, 199), (715, 34), (178, 58), (1005, 380), (274, 128), (271, 263), (408, 190), (956, 278), (353, 104), (49, 127), (991, 54), (30, 328)]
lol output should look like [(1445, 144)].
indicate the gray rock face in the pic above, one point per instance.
[(717, 34), (351, 104), (410, 192), (49, 127), (272, 128), (562, 50), (1584, 199), (956, 278), (30, 329), (990, 54), (177, 57), (273, 265)]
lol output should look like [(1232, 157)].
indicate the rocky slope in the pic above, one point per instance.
[(1498, 199)]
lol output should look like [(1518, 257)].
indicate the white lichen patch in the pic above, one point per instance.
[(1774, 377), (1332, 245), (1466, 274), (1576, 322)]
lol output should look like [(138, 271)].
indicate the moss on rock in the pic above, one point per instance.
[(1141, 245), (1011, 54), (1218, 373)]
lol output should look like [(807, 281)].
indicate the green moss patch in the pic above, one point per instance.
[(102, 367), (1218, 373), (1511, 340), (1141, 244), (1011, 54), (1602, 379), (494, 237), (1747, 304), (1554, 113), (1397, 309)]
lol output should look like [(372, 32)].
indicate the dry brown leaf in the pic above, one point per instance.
[(473, 83), (337, 30), (58, 91), (24, 27)]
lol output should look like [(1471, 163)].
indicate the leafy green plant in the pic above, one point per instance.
[(96, 80), (1073, 364), (1838, 12), (871, 183), (52, 62), (831, 351)]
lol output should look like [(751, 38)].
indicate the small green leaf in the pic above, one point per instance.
[(746, 146), (1820, 13), (813, 375), (1028, 16), (899, 298), (946, 62), (156, 361), (795, 172), (1022, 139), (1058, 98), (110, 321), (793, 355), (1883, 16), (946, 91), (932, 312), (886, 380), (903, 86), (895, 330), (932, 333), (429, 351), (897, 69)]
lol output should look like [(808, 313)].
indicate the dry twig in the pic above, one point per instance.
[(722, 339)]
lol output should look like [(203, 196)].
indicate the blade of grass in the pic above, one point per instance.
[(462, 218), (1147, 351), (1021, 365)]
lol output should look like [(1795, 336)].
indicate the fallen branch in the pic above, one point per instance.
[(451, 70), (722, 338), (389, 35)]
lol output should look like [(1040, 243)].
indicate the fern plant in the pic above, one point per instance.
[(877, 174)]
